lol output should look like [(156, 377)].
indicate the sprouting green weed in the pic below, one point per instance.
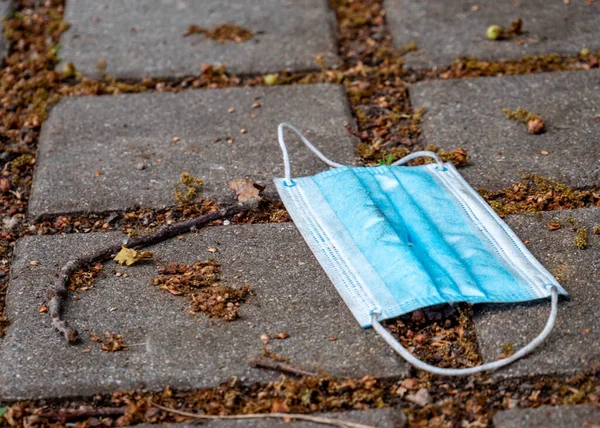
[(386, 160), (55, 49)]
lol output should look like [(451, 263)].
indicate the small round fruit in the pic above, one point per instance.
[(494, 32)]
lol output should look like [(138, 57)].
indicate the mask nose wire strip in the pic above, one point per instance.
[(387, 336), (286, 157)]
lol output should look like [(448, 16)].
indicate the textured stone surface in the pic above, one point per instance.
[(446, 30), (145, 38), (380, 418), (168, 346), (581, 416), (5, 9), (91, 147), (574, 344), (468, 113)]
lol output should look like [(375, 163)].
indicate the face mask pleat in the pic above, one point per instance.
[(413, 231), (388, 252), (452, 277), (448, 237)]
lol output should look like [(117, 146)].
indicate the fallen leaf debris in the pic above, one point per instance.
[(222, 33), (443, 336), (245, 189), (534, 194), (200, 283), (83, 279), (110, 342)]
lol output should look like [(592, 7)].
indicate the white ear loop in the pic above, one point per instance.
[(387, 336), (286, 158)]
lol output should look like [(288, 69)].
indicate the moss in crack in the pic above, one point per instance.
[(581, 238), (474, 67), (187, 188)]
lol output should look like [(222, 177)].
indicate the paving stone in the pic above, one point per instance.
[(468, 113), (381, 418), (167, 345), (581, 416), (446, 30), (574, 344), (144, 38), (5, 9), (91, 148)]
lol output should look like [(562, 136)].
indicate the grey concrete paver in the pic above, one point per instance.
[(6, 7), (580, 416), (468, 113), (113, 153), (388, 417), (145, 38), (446, 30), (167, 345), (574, 344)]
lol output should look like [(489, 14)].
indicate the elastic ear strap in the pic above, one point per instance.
[(386, 335), (421, 154), (286, 157)]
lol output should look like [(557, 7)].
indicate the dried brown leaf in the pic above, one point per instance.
[(244, 189)]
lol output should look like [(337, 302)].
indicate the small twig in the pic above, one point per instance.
[(58, 293), (65, 415), (296, 416), (261, 363)]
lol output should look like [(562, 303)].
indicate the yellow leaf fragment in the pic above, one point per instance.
[(129, 256)]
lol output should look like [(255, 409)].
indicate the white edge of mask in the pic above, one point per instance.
[(506, 243)]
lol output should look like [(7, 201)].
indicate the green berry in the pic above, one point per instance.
[(68, 70), (271, 79), (585, 52), (494, 32)]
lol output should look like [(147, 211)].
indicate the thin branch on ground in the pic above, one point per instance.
[(57, 294), (295, 416), (261, 363)]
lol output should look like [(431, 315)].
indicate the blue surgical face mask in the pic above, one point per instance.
[(394, 238)]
